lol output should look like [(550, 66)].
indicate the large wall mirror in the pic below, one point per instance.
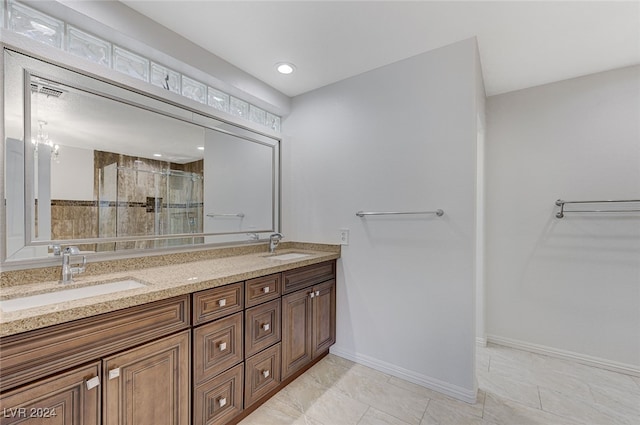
[(97, 165)]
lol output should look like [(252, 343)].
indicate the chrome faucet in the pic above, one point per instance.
[(67, 271), (274, 240)]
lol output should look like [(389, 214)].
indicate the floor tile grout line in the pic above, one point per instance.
[(364, 414), (425, 410), (539, 397), (548, 388)]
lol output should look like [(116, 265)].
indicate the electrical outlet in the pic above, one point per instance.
[(344, 236)]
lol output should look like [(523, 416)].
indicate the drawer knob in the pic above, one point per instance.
[(265, 289), (223, 346), (93, 382), (265, 373), (222, 302), (266, 326), (317, 293), (222, 401), (114, 373), (312, 295)]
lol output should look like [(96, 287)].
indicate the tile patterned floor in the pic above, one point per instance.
[(516, 388)]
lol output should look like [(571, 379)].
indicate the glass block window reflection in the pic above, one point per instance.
[(36, 25), (164, 77), (88, 46)]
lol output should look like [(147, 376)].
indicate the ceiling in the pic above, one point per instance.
[(522, 44)]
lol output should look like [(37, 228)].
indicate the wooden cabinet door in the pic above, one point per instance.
[(324, 317), (70, 398), (296, 331), (149, 385)]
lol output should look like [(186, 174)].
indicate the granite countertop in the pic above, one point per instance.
[(161, 282)]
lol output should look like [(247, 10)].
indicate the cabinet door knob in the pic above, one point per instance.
[(93, 382), (222, 302), (265, 289), (222, 401), (265, 373), (266, 326), (114, 373), (223, 346), (312, 295), (317, 293)]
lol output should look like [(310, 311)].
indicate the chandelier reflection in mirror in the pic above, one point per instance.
[(42, 138)]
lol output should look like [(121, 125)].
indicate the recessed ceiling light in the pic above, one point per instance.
[(285, 68), (157, 155), (200, 148)]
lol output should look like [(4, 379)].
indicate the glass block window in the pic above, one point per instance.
[(257, 115), (41, 27), (273, 122), (88, 46), (131, 64), (218, 99), (166, 78), (35, 25), (193, 89), (239, 108)]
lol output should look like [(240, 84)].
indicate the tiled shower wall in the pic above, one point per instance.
[(132, 198)]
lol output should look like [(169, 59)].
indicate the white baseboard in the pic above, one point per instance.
[(454, 391), (601, 363), (481, 341)]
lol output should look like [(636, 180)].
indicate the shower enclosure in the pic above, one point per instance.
[(145, 201)]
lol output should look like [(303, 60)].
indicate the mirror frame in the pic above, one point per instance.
[(105, 83)]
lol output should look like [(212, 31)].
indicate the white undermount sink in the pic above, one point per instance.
[(70, 294), (288, 256)]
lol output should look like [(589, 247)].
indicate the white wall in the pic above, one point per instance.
[(569, 285), (401, 137), (238, 178), (72, 174)]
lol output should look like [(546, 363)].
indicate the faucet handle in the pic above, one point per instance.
[(73, 250), (57, 250)]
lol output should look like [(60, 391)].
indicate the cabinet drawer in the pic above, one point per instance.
[(39, 353), (216, 347), (263, 289), (262, 374), (217, 302), (263, 327), (308, 275), (218, 400)]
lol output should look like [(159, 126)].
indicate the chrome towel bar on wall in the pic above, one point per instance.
[(560, 203), (361, 214)]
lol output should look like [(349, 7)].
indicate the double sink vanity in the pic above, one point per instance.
[(201, 337)]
